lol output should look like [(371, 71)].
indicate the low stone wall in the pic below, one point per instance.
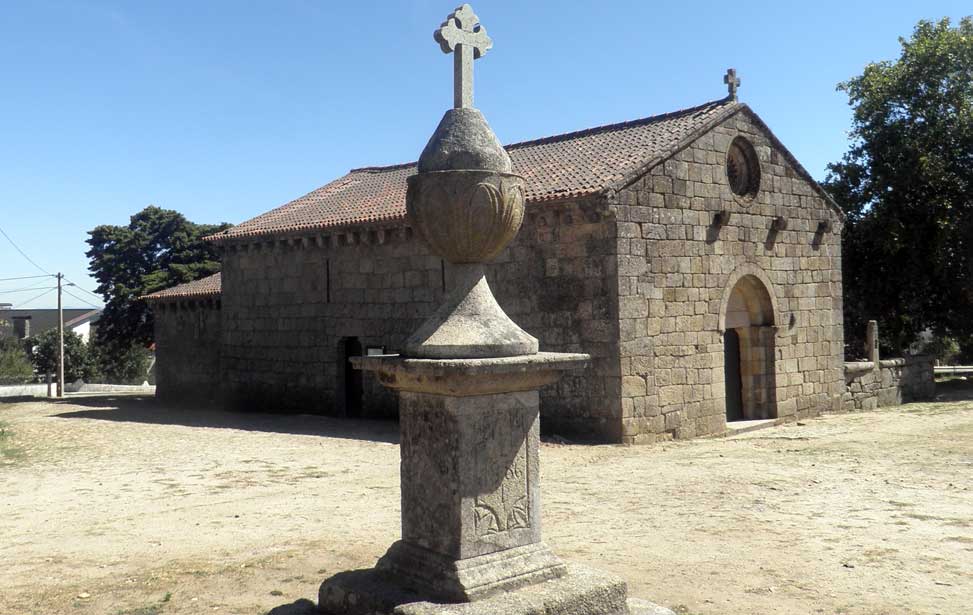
[(893, 382), (24, 390), (40, 390), (114, 388)]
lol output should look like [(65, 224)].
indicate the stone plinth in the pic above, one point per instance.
[(470, 473), (471, 519), (582, 591)]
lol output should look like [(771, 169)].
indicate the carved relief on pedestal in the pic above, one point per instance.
[(507, 508), (502, 500)]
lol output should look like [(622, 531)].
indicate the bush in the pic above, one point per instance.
[(946, 349), (120, 363), (15, 367), (77, 362)]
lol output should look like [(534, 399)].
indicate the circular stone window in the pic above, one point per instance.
[(743, 169)]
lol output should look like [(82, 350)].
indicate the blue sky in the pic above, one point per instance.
[(225, 109)]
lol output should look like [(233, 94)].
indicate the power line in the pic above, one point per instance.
[(32, 286), (26, 277), (22, 253), (79, 287), (31, 261), (22, 304), (23, 290), (85, 301)]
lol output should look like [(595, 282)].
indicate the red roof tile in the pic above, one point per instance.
[(563, 166), (209, 286)]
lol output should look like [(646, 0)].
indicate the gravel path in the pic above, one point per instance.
[(114, 504)]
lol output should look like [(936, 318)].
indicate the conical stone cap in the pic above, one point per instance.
[(470, 324), (464, 141)]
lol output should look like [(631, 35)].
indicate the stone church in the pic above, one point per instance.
[(689, 253)]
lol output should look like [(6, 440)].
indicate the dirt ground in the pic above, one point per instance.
[(116, 505)]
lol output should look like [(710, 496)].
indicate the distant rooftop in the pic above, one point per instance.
[(43, 319), (209, 286)]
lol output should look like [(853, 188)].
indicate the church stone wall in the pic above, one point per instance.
[(287, 304), (674, 269), (557, 280), (188, 350)]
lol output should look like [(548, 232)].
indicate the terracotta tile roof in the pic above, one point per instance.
[(209, 286), (563, 166)]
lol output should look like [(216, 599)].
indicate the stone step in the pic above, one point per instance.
[(735, 428), (637, 606)]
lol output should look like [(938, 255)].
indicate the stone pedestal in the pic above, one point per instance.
[(470, 508), (471, 519)]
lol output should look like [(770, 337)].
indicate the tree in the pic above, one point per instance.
[(906, 185), (159, 248), (15, 367), (120, 363), (77, 362)]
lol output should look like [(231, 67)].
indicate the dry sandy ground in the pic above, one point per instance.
[(115, 505)]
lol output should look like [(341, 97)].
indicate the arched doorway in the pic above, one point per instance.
[(749, 351), (349, 390)]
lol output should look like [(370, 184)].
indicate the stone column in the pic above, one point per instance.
[(871, 343)]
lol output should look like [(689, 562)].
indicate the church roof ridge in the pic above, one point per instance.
[(382, 168), (651, 119), (558, 167), (574, 134)]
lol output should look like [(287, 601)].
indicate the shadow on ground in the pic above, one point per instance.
[(146, 409), (16, 399), (956, 389), (300, 607)]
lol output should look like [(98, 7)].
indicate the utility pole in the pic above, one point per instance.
[(60, 339)]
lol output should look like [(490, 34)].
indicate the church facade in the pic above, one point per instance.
[(689, 253)]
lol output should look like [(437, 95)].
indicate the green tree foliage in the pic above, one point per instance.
[(158, 249), (15, 366), (906, 185), (120, 363), (77, 361)]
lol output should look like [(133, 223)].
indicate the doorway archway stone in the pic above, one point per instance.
[(748, 316)]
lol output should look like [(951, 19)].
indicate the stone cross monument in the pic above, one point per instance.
[(732, 82), (462, 34), (468, 382)]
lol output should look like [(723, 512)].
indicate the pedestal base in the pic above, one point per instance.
[(443, 578), (582, 591), (471, 534)]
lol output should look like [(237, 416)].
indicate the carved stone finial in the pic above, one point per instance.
[(463, 35), (732, 82)]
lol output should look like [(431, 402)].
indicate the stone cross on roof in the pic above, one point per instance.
[(732, 82), (462, 33)]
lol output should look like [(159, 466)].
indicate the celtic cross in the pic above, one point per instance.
[(463, 35), (732, 82)]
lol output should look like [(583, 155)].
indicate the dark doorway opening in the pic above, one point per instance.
[(350, 389), (749, 352), (733, 377)]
